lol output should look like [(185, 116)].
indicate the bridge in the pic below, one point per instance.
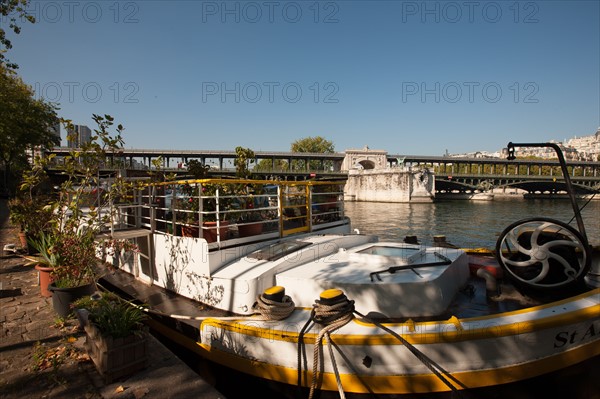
[(452, 175)]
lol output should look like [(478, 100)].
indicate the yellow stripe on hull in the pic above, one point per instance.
[(559, 339), (404, 384), (421, 332)]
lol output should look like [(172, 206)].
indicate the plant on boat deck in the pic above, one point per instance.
[(188, 206)]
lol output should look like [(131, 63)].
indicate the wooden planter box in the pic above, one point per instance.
[(116, 357)]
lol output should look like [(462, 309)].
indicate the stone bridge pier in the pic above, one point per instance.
[(371, 178)]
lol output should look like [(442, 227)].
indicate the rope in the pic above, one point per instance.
[(435, 368), (274, 310), (332, 317)]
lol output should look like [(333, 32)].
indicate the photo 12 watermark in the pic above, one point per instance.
[(89, 92), (270, 92), (470, 92), (453, 12), (91, 12), (251, 12)]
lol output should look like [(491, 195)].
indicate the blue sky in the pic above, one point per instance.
[(408, 77)]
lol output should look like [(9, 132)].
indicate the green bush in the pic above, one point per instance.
[(112, 315)]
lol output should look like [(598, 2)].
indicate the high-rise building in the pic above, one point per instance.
[(80, 135), (55, 129)]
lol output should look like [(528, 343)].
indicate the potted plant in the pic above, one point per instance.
[(188, 206), (116, 336), (72, 258), (250, 221), (31, 216), (28, 209), (19, 215), (189, 215), (213, 194), (45, 260), (79, 215)]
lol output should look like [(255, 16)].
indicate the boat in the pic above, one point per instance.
[(308, 303)]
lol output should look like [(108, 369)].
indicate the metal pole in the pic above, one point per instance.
[(565, 171)]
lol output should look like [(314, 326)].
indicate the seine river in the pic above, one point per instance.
[(468, 224)]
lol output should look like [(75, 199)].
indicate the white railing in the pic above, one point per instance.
[(220, 210)]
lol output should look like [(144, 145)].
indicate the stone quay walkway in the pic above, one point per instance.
[(43, 356)]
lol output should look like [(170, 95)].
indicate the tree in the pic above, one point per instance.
[(245, 157), (13, 9), (197, 169), (25, 123), (315, 145), (267, 165)]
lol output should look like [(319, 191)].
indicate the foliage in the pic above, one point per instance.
[(13, 9), (52, 357), (82, 187), (45, 245), (157, 171), (25, 123), (71, 254), (30, 214), (197, 169), (317, 145), (244, 157), (112, 315), (69, 245), (190, 204), (267, 165)]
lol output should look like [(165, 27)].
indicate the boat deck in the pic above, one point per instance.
[(472, 301)]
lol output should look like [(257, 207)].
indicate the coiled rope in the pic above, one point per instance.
[(331, 313), (271, 309), (335, 315)]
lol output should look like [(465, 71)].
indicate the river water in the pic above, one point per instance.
[(468, 224)]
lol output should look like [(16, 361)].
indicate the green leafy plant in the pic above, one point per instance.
[(71, 254), (112, 315), (45, 245), (80, 210), (30, 214)]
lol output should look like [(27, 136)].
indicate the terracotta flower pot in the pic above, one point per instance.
[(23, 239), (45, 279), (190, 231), (210, 234), (250, 229)]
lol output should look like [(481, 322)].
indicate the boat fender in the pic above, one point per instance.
[(491, 284)]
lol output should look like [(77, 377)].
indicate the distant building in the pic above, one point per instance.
[(588, 147), (80, 135), (55, 128)]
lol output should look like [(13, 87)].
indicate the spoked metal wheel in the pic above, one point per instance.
[(543, 253)]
